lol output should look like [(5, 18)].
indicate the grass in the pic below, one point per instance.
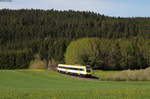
[(40, 84), (104, 75)]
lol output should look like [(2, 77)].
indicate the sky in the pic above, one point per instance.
[(122, 8)]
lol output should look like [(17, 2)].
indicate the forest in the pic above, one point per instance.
[(48, 33)]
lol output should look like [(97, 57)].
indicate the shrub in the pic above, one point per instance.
[(132, 75), (37, 63)]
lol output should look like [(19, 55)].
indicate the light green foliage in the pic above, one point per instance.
[(83, 51), (40, 84), (76, 51), (110, 54)]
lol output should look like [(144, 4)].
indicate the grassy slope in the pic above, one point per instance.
[(38, 84)]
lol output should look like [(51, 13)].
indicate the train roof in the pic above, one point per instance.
[(71, 65)]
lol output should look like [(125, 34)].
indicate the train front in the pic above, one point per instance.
[(88, 70)]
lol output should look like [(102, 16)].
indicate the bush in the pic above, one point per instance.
[(37, 64), (132, 75)]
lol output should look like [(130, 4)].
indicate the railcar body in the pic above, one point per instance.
[(75, 69)]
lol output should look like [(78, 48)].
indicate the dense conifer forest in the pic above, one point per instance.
[(26, 33)]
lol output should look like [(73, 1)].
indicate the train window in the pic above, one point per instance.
[(80, 69)]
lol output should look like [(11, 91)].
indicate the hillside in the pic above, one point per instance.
[(37, 84), (37, 24), (26, 33)]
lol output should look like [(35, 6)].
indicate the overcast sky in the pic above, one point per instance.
[(124, 8)]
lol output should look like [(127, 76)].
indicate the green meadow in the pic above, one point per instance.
[(40, 84)]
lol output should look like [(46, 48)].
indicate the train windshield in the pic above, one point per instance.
[(88, 69)]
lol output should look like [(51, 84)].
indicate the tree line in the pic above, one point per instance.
[(49, 32), (15, 59)]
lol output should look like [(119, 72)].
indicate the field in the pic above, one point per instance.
[(40, 84)]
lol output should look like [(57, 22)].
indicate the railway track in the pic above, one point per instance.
[(84, 78)]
